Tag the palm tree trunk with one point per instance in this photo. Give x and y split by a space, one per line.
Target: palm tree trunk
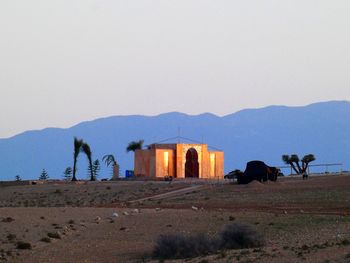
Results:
74 169
92 178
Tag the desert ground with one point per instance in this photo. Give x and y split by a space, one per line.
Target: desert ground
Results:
120 221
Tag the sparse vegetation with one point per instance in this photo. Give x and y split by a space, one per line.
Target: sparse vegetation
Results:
8 219
11 237
23 245
179 246
238 236
234 236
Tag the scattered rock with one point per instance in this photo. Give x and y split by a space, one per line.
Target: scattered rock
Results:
125 213
55 235
136 211
98 219
194 208
158 209
115 214
46 240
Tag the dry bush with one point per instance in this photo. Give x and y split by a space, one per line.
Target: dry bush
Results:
179 246
23 245
238 236
233 236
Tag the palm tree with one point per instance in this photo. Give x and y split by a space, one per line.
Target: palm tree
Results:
77 148
86 149
135 145
110 160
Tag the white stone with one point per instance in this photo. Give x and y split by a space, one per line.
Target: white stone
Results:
115 214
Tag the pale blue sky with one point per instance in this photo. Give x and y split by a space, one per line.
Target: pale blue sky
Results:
66 61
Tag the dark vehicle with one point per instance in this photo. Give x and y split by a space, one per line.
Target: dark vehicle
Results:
233 174
258 170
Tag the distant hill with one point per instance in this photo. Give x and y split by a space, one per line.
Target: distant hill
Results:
253 134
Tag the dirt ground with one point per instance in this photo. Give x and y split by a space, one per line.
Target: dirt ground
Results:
301 220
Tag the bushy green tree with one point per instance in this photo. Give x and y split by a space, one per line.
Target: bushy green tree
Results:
96 167
44 175
67 174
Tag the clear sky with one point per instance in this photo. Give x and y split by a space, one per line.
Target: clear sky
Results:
66 61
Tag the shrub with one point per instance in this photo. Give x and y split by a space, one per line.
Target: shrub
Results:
234 236
179 246
23 245
11 237
8 220
238 236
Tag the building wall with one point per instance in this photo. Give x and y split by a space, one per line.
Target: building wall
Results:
152 163
220 164
181 157
205 164
143 162
165 167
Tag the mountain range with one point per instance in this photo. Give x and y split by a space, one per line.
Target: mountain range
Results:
322 129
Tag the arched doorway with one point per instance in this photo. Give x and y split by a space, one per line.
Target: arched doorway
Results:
192 165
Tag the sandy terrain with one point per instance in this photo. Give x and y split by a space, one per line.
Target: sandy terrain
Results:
302 221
